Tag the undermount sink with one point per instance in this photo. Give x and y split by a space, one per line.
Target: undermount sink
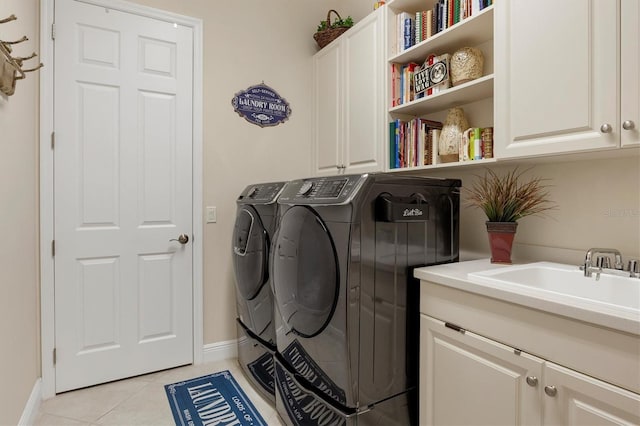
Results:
566 284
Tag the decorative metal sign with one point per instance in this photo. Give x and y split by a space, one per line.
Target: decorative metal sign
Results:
261 105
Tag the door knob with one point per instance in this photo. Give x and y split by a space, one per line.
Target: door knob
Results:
532 381
182 239
628 125
551 390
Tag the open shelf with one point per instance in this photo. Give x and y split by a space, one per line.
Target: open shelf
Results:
475 90
469 32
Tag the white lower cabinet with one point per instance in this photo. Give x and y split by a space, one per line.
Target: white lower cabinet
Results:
576 399
468 379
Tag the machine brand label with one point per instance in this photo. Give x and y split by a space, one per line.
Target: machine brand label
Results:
262 370
303 408
302 363
412 212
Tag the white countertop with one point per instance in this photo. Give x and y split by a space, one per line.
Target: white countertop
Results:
455 275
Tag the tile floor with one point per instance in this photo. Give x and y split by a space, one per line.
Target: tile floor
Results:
138 401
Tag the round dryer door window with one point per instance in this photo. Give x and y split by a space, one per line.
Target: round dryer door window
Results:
304 272
250 256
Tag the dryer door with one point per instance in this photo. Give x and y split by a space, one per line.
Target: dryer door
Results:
250 252
304 272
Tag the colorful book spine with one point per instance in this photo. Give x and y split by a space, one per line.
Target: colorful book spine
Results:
395 85
397 144
477 152
392 145
487 142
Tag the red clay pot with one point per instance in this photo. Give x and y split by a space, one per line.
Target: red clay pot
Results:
501 236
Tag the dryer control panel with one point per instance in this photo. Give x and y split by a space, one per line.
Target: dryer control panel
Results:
324 190
261 193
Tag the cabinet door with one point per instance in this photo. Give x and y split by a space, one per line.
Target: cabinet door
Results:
630 73
466 379
327 121
364 103
582 400
556 77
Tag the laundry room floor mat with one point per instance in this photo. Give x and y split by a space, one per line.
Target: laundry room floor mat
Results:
215 399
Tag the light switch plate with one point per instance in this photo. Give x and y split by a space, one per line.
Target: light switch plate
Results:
212 215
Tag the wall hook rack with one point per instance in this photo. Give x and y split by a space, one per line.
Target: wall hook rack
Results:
11 68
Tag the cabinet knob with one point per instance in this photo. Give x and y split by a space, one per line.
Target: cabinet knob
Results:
550 390
606 128
628 125
532 381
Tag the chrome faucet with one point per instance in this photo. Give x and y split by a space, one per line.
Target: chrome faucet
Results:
588 262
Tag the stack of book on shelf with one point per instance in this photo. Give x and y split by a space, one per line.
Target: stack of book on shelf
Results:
412 28
476 144
413 143
413 81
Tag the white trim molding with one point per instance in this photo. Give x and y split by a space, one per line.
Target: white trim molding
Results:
219 351
47 317
32 407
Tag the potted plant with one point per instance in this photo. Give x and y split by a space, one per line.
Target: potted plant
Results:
505 199
328 31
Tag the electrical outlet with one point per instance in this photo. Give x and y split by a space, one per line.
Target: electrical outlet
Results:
212 215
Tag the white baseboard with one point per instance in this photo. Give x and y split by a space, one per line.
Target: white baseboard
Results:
219 351
33 405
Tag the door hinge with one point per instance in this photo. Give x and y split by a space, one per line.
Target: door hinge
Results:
53 31
55 356
53 140
53 247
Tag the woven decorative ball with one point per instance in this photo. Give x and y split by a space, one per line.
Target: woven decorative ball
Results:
465 65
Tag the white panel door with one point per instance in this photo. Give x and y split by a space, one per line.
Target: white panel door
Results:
123 190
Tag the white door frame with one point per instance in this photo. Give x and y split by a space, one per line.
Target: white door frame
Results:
47 323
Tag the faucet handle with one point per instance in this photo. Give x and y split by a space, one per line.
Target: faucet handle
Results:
603 262
634 268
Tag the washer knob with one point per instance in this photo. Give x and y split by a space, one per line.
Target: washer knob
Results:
306 188
252 192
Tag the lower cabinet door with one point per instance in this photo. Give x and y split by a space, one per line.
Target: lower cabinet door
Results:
572 398
466 379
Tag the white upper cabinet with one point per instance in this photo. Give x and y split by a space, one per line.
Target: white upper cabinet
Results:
349 100
630 73
327 113
558 69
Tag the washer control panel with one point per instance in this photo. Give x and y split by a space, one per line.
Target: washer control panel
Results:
261 193
325 190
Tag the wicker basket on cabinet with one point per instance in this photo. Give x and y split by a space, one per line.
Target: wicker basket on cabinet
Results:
326 36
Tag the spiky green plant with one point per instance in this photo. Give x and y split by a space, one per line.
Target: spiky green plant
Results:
509 197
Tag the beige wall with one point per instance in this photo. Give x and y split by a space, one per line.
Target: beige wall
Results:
598 205
19 362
